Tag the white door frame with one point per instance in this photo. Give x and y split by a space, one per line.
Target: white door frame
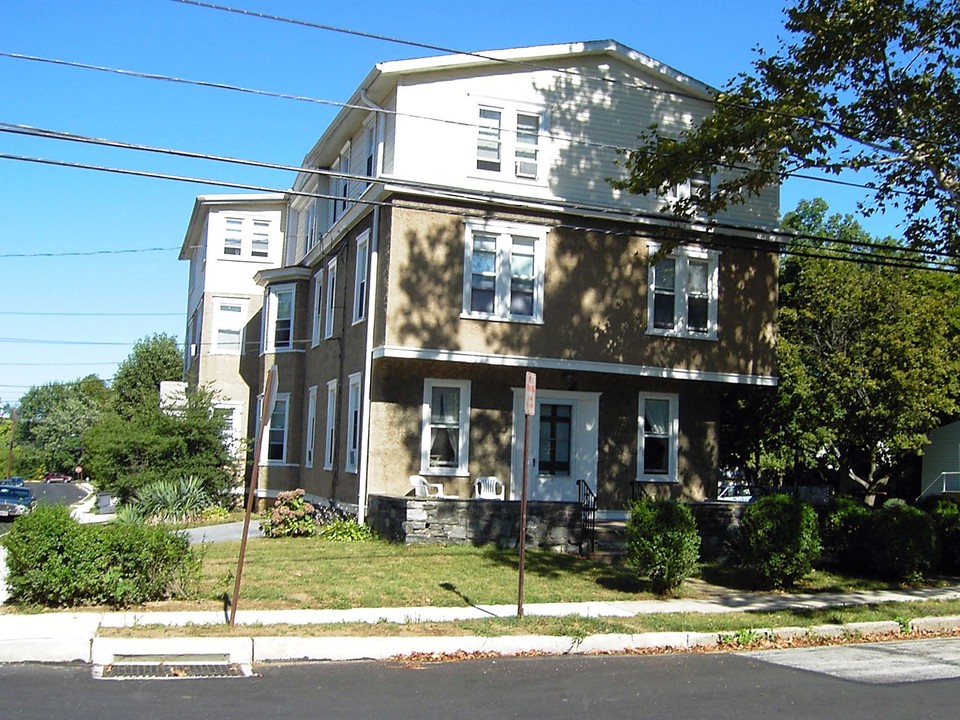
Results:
584 443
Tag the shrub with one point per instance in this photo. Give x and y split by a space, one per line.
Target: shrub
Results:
900 543
840 529
662 542
780 539
291 516
946 517
49 561
345 529
171 500
55 561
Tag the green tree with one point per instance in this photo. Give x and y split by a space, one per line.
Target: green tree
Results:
868 357
124 453
137 381
863 85
52 420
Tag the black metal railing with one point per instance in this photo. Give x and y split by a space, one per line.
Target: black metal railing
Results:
588 514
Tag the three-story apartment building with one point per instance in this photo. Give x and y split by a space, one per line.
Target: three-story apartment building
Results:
453 229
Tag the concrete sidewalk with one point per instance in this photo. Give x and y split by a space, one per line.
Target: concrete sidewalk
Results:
70 637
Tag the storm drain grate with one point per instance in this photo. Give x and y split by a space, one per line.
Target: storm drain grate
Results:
171 671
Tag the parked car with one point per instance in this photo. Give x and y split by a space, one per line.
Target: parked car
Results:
15 501
57 477
737 492
15 481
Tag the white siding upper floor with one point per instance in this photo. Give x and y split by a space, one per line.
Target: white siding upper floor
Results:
539 124
546 134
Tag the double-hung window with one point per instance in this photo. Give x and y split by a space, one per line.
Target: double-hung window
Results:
330 428
330 305
360 277
353 423
276 435
340 185
260 242
370 161
233 236
311 425
311 226
503 271
279 315
318 309
231 317
510 142
445 434
683 293
658 438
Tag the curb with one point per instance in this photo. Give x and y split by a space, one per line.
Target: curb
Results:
248 650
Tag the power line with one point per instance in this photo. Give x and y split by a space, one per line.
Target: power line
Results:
70 364
85 253
507 61
607 213
384 111
92 314
71 137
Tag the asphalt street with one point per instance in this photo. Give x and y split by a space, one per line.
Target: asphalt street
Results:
685 686
59 493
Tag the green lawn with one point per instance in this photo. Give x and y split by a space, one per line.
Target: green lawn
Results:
313 573
318 574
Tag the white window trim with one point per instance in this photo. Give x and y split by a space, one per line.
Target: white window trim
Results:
683 255
362 269
311 426
508 140
270 318
265 449
674 439
317 308
330 427
354 428
330 305
463 452
504 233
219 325
372 154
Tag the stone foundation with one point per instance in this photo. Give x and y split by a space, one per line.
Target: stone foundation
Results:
716 521
555 525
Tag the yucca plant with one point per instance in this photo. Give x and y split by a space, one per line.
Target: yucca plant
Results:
171 500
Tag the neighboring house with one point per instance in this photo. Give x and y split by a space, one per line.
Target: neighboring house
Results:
941 462
229 239
453 229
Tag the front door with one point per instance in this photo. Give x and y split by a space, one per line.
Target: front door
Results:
562 446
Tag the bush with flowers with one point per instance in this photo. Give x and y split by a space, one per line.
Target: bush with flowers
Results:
291 516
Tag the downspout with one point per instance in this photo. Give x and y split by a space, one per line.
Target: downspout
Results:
367 368
371 303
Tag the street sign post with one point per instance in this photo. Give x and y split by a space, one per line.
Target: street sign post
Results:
529 410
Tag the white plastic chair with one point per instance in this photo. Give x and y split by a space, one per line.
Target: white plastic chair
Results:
488 487
422 488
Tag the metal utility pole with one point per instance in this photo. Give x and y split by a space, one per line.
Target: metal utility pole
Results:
266 411
529 410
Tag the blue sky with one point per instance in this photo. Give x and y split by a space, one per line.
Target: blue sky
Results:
66 316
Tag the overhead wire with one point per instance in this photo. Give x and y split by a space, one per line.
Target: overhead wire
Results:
624 215
71 137
616 149
527 64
